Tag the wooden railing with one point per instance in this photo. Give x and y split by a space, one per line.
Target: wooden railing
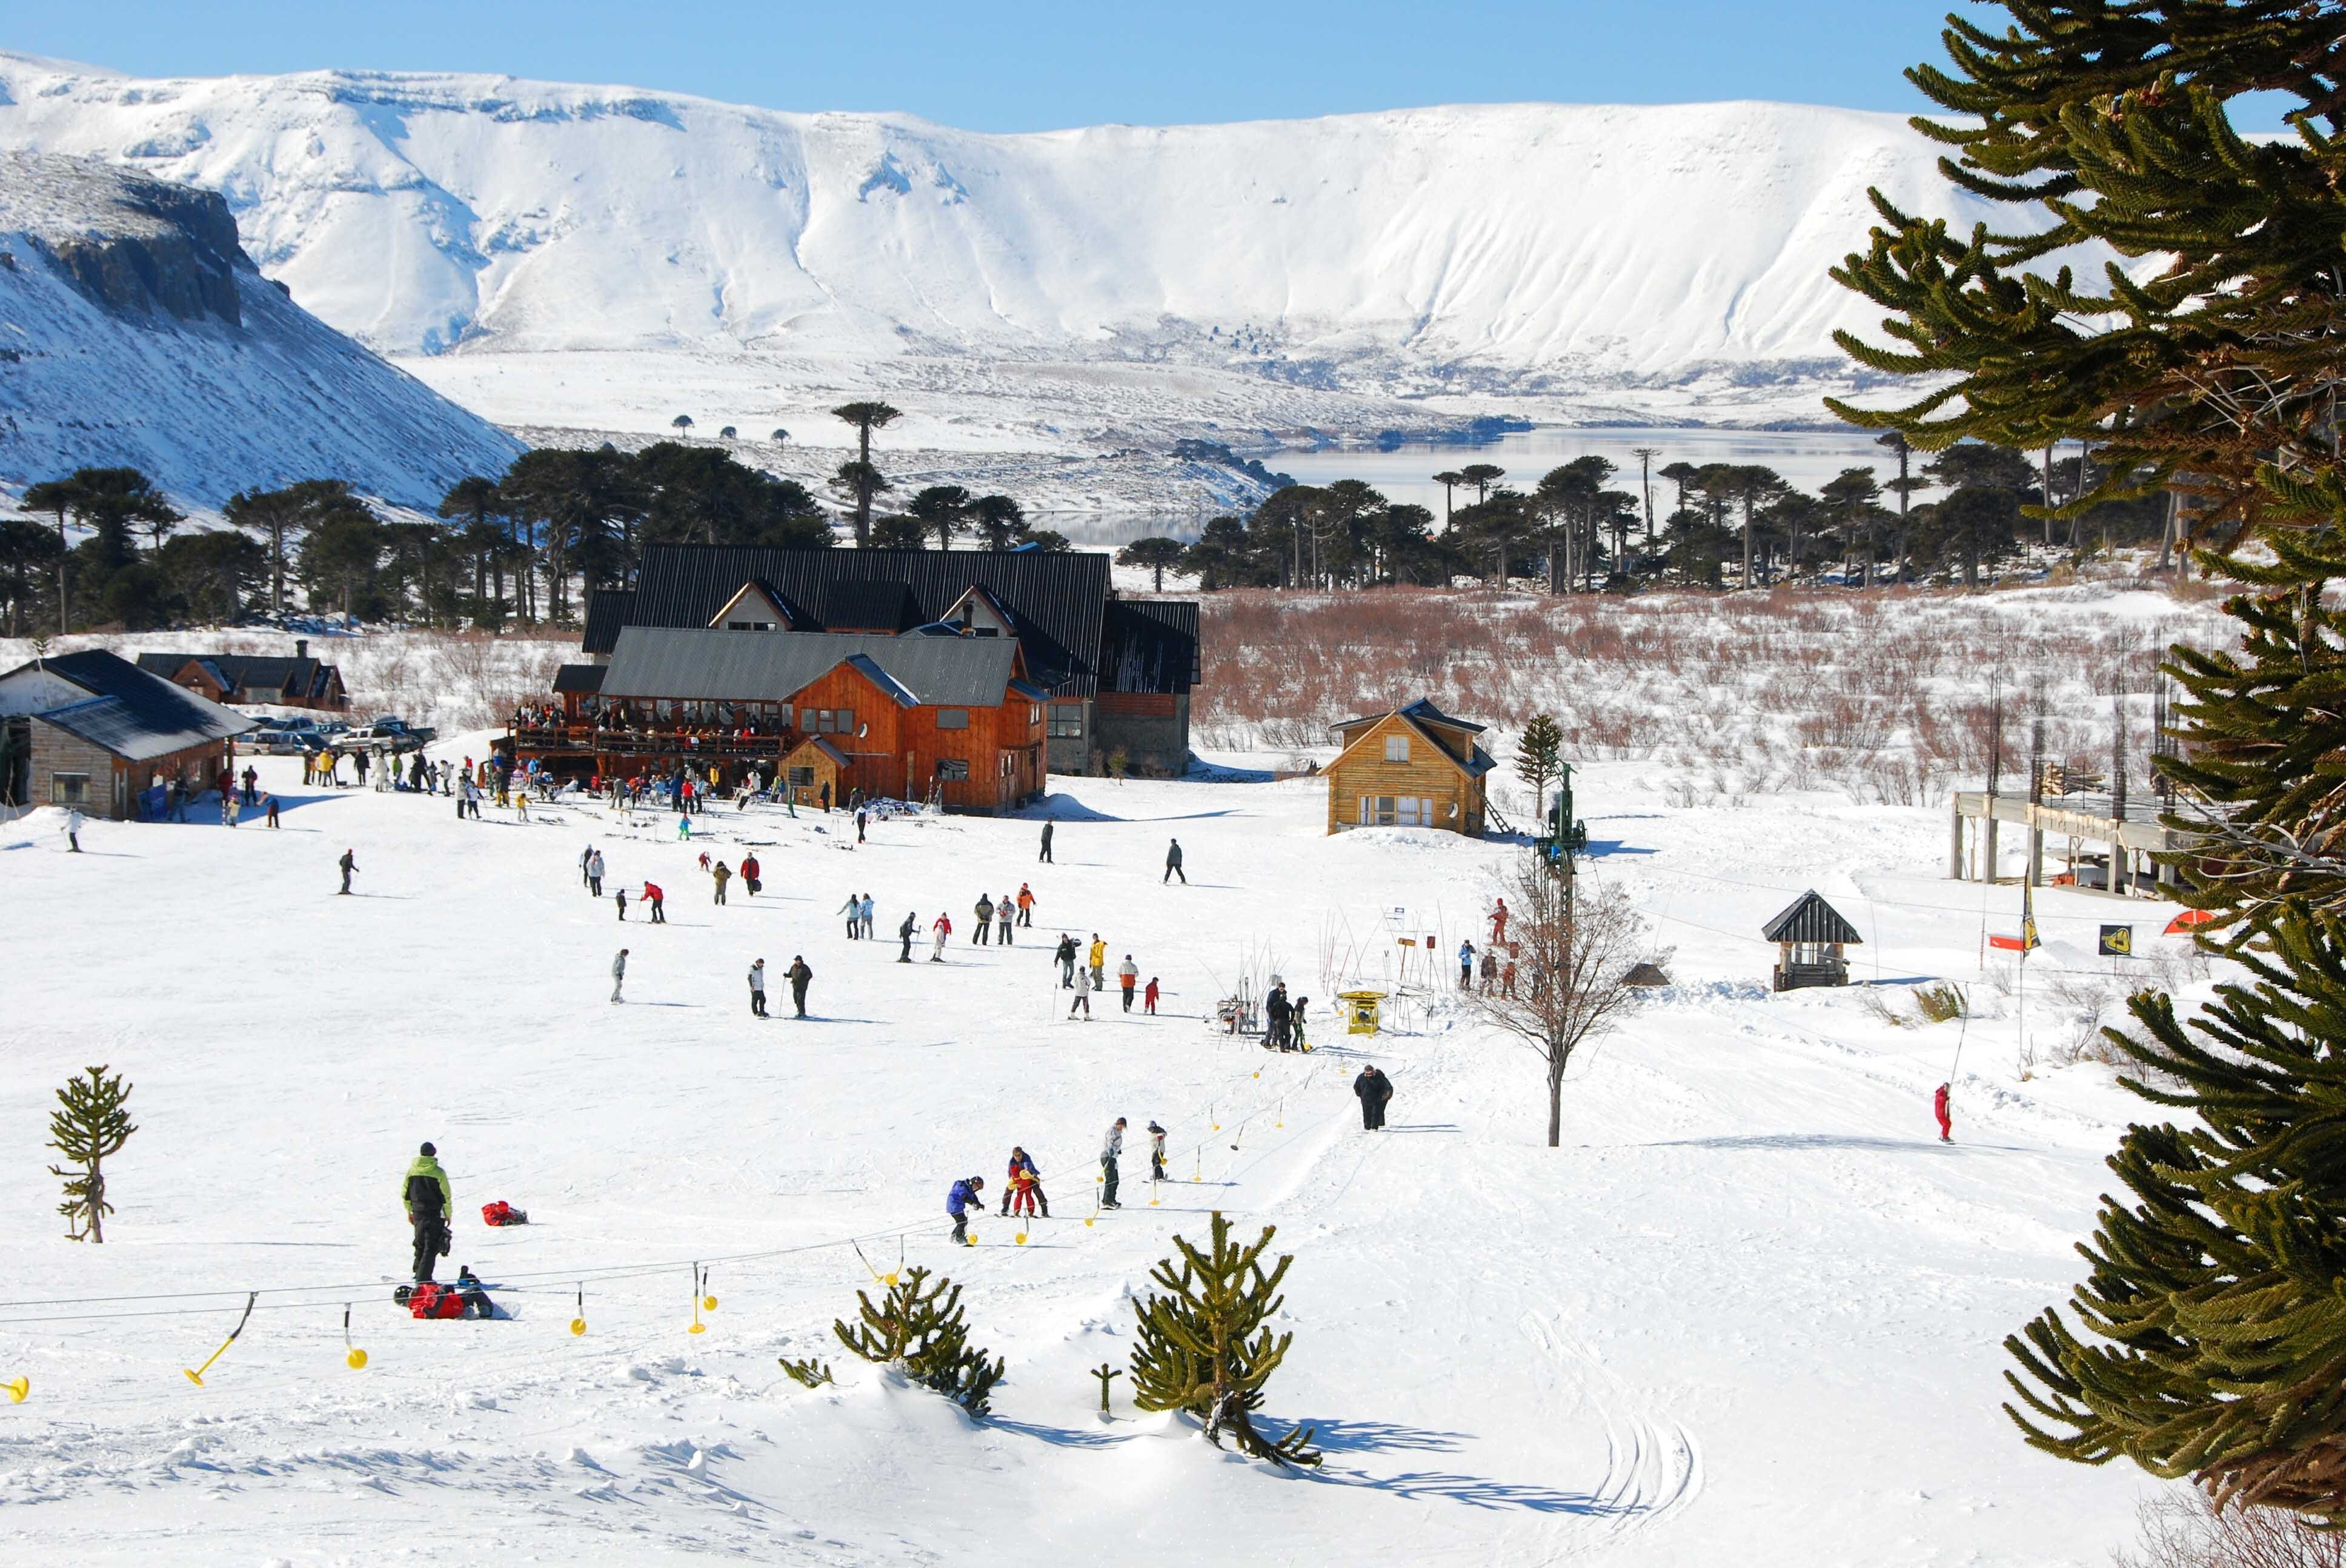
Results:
602 742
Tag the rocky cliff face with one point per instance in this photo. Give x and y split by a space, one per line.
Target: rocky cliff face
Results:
136 245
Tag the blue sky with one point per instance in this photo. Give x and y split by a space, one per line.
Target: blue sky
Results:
1026 66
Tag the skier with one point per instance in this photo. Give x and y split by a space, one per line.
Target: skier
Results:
620 971
1490 970
1173 864
1465 965
799 974
854 910
941 931
621 894
424 1192
659 901
1024 1187
1940 1108
984 931
758 989
1098 957
1026 905
1156 1152
73 829
1110 1152
723 873
1374 1089
1005 913
1499 923
1045 857
1084 1001
749 870
1149 998
959 1199
863 914
1127 976
911 923
595 872
350 864
1066 959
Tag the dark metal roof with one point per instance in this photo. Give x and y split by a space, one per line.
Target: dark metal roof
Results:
249 677
1150 644
132 712
1056 599
609 609
1422 710
695 664
579 677
868 604
1810 918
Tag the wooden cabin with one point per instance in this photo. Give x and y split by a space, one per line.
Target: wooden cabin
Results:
1412 767
1810 936
300 681
94 731
815 766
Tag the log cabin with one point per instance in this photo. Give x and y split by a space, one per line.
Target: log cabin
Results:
1414 767
94 731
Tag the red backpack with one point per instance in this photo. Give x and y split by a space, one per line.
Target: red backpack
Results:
502 1213
431 1300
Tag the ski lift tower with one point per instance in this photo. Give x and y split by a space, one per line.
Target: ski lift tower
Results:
1566 837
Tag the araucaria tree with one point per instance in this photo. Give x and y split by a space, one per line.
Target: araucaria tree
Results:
1572 951
859 478
1203 1347
917 1328
1539 756
90 1128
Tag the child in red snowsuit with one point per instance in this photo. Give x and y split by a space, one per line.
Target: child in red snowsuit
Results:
1939 1108
1149 998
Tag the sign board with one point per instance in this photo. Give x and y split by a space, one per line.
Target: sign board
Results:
2117 941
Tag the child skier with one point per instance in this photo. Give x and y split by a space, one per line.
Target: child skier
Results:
959 1199
1149 998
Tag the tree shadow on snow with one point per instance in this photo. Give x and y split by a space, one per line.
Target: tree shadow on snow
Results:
1479 1491
1604 849
1061 809
1379 1437
1061 1437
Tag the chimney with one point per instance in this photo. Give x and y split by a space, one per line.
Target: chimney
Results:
301 648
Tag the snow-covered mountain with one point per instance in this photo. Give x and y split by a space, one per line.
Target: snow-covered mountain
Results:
135 331
1581 250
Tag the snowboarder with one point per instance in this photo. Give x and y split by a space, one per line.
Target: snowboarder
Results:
723 873
1156 1152
963 1195
941 931
1149 998
73 829
1098 957
1066 958
659 901
749 870
595 872
1110 1152
1173 864
619 969
1465 965
1045 857
349 864
985 932
1026 905
1945 1111
1499 922
758 989
1128 977
799 974
424 1192
911 923
1374 1089
853 910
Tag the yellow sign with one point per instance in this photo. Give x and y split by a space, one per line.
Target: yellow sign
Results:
1360 1011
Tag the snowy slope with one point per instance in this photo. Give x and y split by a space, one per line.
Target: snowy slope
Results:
1527 247
137 334
1750 1313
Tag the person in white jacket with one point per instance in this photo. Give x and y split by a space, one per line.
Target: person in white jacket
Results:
72 828
619 974
854 910
1111 1151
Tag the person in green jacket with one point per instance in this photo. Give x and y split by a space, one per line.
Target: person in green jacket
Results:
425 1193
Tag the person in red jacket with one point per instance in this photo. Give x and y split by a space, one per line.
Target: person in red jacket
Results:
653 897
1499 923
1148 997
1939 1108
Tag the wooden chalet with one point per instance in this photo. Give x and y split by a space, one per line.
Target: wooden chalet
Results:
935 715
1412 767
95 731
300 681
1117 672
1810 936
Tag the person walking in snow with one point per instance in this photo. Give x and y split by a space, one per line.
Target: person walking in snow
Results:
852 909
1099 956
723 874
349 864
984 933
1026 905
1066 958
1045 857
1156 1152
251 786
620 895
864 914
941 931
758 989
1490 970
1128 977
1149 998
73 829
1005 913
618 975
800 976
1111 1151
863 817
1465 965
750 872
595 872
1375 1090
586 867
659 901
960 1198
911 923
424 1192
1084 1001
1942 1107
1173 864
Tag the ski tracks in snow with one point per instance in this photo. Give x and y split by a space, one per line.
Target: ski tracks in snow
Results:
1653 1466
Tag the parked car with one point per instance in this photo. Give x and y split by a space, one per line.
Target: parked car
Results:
276 742
385 735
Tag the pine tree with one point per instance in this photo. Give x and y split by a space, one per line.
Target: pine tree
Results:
859 477
2107 121
917 1328
1539 756
91 1128
1203 1347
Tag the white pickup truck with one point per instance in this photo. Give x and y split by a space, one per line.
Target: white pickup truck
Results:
385 735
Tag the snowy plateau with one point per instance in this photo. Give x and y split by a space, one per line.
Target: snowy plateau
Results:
1053 311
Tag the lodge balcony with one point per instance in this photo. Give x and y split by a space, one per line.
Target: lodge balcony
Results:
555 740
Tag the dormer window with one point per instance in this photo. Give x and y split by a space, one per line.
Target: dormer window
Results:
751 610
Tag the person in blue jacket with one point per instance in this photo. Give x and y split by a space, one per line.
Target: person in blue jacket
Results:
964 1197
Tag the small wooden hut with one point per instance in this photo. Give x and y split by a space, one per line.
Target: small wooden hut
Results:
1810 936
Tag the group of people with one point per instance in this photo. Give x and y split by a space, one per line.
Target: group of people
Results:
1127 976
1498 958
998 921
1284 1019
1022 1187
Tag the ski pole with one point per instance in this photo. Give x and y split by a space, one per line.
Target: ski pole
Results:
197 1376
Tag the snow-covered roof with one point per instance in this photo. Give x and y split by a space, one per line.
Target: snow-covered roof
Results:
695 664
133 713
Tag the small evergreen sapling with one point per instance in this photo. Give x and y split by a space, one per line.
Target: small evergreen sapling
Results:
918 1327
92 1127
1203 1347
811 1373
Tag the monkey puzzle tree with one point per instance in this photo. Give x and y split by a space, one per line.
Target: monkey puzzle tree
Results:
90 1128
866 417
1203 1347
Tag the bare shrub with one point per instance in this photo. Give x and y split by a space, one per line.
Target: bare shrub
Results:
2180 1529
1941 1003
1877 1005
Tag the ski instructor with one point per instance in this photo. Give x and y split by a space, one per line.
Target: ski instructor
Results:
425 1193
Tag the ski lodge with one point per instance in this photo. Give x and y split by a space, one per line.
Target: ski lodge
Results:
94 731
1412 767
300 681
1115 675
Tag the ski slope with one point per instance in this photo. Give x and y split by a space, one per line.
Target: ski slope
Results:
1749 1313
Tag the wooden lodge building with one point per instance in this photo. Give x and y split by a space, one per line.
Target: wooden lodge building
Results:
300 681
95 731
1117 673
1412 767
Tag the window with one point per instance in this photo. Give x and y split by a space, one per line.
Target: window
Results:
952 718
1416 811
1067 719
1034 714
832 720
1396 748
70 789
1378 810
803 776
1007 766
749 626
952 767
